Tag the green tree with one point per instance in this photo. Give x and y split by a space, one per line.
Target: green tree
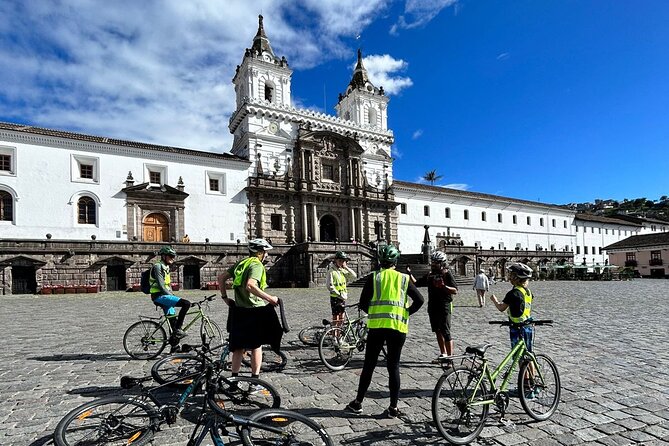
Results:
432 176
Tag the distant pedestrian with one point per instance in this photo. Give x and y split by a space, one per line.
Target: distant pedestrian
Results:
481 285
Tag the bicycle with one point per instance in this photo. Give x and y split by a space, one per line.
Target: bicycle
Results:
464 393
147 338
311 336
135 419
339 342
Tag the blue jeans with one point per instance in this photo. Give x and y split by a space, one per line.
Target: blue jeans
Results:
527 333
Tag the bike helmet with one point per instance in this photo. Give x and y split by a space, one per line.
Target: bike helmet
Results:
520 270
438 257
389 254
167 251
341 255
259 244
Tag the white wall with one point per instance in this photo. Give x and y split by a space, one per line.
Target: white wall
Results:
597 235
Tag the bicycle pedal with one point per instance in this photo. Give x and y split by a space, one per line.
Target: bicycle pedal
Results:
170 413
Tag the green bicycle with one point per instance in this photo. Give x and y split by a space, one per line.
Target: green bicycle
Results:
464 393
147 338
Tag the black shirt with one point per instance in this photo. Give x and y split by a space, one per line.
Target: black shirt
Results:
436 284
516 302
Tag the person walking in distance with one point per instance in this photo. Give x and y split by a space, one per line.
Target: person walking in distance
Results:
337 277
481 285
161 295
385 298
252 321
441 288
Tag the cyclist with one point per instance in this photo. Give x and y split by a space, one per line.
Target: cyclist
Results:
441 288
338 275
385 299
161 295
518 303
251 321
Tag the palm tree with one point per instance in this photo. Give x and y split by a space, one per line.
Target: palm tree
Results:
432 176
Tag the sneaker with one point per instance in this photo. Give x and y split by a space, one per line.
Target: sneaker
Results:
440 359
256 388
393 412
354 407
179 333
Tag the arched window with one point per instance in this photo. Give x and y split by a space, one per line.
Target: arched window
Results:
269 91
371 113
87 211
6 206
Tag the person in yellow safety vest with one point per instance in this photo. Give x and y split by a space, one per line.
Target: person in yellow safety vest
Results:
385 298
518 303
337 277
252 320
161 295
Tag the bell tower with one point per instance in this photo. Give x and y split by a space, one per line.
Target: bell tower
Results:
363 103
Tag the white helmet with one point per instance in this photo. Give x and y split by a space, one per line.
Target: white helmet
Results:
438 257
520 270
259 244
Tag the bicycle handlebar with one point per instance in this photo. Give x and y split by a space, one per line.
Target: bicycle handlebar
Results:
522 324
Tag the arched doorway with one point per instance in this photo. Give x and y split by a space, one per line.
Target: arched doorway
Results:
156 228
328 228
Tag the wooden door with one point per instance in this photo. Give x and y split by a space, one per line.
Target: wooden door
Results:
156 228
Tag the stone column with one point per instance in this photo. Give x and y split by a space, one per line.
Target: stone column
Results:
291 224
305 227
315 224
352 223
259 218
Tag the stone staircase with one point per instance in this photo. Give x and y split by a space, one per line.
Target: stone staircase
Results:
418 269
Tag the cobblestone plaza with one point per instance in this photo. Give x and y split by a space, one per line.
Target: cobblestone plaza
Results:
609 342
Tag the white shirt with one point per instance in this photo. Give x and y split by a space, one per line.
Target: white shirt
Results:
481 282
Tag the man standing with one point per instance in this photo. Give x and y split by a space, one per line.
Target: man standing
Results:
252 322
338 275
385 299
481 285
161 294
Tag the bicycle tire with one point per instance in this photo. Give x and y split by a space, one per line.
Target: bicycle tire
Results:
95 423
311 336
144 340
457 421
272 361
175 366
243 394
539 395
334 351
295 428
210 332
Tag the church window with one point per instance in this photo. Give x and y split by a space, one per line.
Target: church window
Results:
499 218
447 212
541 222
466 214
84 169
578 250
5 162
403 208
564 223
213 184
269 92
347 115
553 223
6 206
426 211
585 249
529 221
328 172
87 211
483 216
371 115
276 221
154 177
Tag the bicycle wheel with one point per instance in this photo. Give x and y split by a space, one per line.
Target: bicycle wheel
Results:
115 420
311 336
335 348
279 426
210 332
242 394
144 340
272 361
175 366
457 420
539 387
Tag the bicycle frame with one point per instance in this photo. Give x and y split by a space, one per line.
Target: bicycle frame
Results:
514 356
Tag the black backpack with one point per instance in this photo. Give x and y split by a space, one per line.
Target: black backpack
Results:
145 281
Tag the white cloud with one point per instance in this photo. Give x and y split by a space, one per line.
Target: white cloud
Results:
418 13
395 152
503 56
417 134
156 71
382 70
458 186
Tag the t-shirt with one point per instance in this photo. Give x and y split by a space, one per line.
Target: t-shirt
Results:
243 298
436 286
516 302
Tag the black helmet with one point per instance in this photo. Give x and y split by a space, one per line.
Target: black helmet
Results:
520 270
389 254
167 251
341 255
259 244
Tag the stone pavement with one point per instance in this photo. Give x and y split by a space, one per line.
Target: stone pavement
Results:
609 343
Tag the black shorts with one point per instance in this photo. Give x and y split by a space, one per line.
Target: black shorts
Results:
253 327
337 304
440 317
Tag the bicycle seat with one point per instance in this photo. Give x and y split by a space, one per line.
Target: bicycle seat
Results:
478 350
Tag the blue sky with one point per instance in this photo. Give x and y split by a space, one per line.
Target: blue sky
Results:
555 101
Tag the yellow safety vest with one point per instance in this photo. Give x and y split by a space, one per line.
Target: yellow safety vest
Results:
527 296
240 273
338 281
389 307
166 275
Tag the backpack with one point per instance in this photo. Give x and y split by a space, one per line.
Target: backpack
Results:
145 281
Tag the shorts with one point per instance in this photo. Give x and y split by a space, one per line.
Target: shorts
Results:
440 317
253 327
527 334
167 303
337 305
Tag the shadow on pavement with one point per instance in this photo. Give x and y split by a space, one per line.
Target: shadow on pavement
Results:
84 357
42 441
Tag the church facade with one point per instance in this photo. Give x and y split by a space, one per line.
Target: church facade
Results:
90 210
